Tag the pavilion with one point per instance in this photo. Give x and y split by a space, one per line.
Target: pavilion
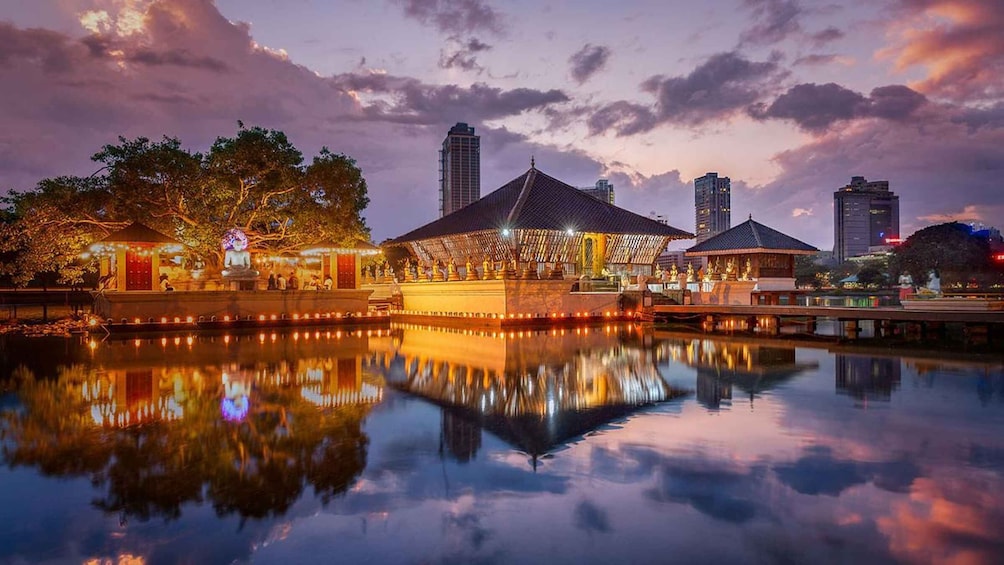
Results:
132 257
746 259
519 249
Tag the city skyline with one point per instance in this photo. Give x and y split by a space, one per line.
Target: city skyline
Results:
806 96
865 217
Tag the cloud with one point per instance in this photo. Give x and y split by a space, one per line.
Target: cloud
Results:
588 61
830 34
414 102
799 212
777 20
823 59
815 107
969 213
715 89
454 17
957 41
464 57
984 117
774 21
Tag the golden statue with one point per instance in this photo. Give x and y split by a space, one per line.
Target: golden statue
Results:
690 272
472 273
673 273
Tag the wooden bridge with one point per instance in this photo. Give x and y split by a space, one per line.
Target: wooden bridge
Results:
770 319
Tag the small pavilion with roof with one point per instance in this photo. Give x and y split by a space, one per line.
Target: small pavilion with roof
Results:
130 258
746 259
520 248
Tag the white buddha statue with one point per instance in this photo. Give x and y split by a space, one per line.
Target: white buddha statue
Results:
237 258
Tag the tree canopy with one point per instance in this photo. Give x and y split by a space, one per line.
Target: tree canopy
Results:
951 249
256 181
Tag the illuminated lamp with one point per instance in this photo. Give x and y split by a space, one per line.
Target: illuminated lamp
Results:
189 319
163 320
226 318
137 321
261 318
177 320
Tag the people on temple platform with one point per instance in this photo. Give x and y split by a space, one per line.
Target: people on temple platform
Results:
271 281
293 283
328 282
165 284
280 282
313 284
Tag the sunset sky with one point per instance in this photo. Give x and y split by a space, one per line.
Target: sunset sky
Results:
789 98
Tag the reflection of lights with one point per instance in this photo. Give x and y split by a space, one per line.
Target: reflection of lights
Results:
235 409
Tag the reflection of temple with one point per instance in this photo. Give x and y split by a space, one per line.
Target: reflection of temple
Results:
867 378
535 390
139 381
752 367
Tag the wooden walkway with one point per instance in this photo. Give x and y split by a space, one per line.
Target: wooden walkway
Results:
690 313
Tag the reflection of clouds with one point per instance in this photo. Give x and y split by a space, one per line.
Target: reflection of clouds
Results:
819 472
714 488
591 518
948 520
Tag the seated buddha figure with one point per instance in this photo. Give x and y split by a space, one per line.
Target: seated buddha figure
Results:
237 258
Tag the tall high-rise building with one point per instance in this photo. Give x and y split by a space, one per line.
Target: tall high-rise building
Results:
602 191
865 214
712 205
459 169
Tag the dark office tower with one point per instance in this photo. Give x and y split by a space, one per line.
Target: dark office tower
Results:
459 169
712 205
865 214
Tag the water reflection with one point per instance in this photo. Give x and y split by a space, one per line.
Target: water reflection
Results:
867 378
751 367
535 392
234 422
413 446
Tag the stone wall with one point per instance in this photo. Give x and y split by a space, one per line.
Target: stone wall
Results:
155 304
533 297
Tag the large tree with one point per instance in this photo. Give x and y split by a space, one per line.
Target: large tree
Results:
950 249
256 181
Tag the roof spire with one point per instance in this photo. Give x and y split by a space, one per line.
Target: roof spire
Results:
751 215
532 164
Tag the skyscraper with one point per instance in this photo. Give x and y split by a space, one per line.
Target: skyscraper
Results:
865 214
712 205
459 169
602 191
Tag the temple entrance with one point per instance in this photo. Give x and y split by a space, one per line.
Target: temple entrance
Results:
139 270
346 268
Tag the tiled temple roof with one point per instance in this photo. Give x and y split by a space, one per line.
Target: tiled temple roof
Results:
751 236
138 233
535 200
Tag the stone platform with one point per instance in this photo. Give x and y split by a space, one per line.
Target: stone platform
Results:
155 305
519 298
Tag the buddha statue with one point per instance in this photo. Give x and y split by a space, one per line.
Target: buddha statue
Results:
690 272
236 257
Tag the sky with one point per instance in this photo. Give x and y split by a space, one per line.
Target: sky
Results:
789 98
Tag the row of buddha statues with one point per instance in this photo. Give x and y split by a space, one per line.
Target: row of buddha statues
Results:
437 271
714 272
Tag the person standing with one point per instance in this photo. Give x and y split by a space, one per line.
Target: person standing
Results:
293 283
280 282
271 281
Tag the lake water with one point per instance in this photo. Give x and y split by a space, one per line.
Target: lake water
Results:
419 445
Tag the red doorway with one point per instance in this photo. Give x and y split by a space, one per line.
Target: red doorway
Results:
346 265
139 271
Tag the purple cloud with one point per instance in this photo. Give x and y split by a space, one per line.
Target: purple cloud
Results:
815 107
454 17
588 61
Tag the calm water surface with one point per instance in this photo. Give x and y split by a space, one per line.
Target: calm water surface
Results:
418 445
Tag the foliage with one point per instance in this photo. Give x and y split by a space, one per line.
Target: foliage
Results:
951 249
872 276
254 468
809 273
256 181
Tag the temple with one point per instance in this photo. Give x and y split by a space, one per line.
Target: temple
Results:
746 262
145 281
534 246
